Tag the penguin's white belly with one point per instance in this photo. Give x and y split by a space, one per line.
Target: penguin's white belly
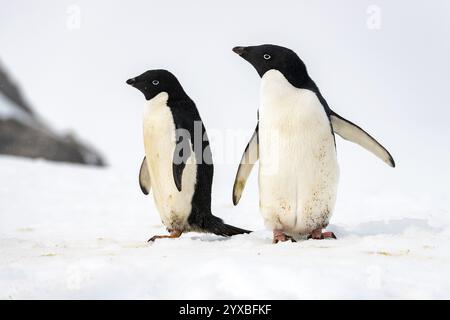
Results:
174 206
298 173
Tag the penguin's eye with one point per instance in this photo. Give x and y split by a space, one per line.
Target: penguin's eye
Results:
267 56
155 82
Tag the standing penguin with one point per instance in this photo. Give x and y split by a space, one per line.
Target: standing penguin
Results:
295 144
178 161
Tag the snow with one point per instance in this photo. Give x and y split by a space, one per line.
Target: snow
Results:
68 231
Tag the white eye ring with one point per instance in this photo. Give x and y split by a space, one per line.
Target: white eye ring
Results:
155 82
267 56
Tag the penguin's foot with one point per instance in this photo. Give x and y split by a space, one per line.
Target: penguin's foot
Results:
319 235
279 236
173 235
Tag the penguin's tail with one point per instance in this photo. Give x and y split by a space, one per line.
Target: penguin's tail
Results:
215 225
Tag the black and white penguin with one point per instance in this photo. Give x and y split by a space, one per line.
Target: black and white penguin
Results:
295 144
178 162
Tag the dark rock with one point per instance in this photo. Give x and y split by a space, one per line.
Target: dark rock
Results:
11 91
24 134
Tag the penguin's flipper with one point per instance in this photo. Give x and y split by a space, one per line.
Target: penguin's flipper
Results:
249 158
144 177
181 155
351 132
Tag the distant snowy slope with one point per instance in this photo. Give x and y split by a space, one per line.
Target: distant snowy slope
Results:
72 232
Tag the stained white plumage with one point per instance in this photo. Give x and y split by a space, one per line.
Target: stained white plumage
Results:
298 173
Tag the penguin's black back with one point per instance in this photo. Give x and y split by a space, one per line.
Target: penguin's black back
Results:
186 115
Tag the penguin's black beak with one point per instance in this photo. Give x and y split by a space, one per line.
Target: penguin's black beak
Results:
131 81
239 50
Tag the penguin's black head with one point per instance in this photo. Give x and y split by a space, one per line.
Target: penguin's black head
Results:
153 82
271 57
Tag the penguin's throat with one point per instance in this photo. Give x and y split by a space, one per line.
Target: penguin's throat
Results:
275 88
158 101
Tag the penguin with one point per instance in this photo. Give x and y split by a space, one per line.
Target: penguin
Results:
178 165
295 144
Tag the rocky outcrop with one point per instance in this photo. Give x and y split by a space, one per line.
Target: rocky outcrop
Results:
23 133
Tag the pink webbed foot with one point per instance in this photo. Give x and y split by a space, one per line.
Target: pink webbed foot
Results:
279 236
173 235
319 235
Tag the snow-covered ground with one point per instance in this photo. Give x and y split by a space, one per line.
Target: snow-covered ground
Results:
73 232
